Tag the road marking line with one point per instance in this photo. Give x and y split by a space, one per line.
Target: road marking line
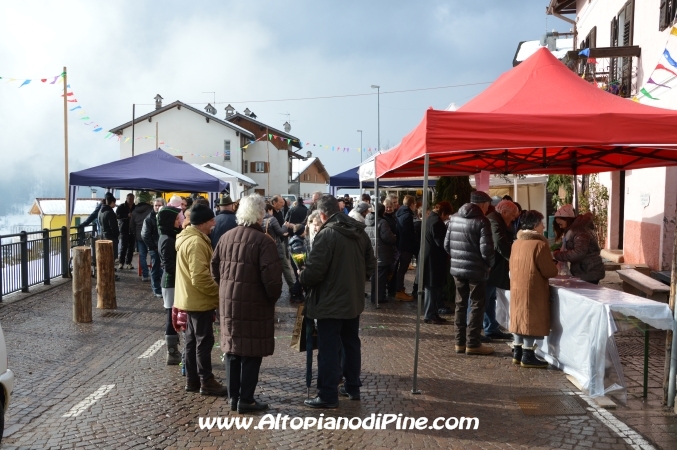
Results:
152 349
630 436
89 401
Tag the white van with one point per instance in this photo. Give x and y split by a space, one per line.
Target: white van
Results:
6 382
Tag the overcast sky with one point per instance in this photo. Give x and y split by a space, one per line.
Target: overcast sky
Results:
124 52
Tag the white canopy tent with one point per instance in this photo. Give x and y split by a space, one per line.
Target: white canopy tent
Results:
238 182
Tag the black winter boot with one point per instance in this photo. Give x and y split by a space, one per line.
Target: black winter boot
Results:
516 353
530 360
173 354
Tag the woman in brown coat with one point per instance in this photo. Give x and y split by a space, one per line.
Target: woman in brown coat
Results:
530 267
248 270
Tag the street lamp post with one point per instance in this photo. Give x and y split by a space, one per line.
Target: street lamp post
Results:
378 103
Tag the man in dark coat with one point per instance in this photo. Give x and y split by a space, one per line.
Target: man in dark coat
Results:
297 215
389 217
151 236
123 214
435 262
248 270
385 257
499 277
406 244
471 246
139 214
225 219
341 261
109 223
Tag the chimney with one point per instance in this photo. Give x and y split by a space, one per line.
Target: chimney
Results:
210 109
287 127
230 111
158 101
93 193
247 112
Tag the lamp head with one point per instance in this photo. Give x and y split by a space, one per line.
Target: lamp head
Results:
373 86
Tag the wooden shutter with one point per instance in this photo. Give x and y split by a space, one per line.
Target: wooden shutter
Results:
662 15
592 38
628 27
265 167
613 41
252 167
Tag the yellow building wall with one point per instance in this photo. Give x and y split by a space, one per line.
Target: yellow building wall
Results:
57 221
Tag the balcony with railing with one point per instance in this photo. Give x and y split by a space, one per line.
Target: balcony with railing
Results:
613 69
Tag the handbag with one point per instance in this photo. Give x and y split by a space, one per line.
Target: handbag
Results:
298 337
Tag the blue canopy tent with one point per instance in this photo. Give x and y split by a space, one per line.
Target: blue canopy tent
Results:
154 171
350 179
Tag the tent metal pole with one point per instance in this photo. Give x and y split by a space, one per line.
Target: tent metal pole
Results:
376 236
421 283
671 341
133 120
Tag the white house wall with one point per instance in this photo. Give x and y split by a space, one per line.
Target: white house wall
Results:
648 228
307 189
276 181
188 132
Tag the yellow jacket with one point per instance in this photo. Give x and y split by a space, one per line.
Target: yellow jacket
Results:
195 289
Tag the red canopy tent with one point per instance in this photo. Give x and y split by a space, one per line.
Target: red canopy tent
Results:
539 117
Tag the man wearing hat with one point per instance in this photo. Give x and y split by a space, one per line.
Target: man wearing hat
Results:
225 219
470 243
359 213
197 293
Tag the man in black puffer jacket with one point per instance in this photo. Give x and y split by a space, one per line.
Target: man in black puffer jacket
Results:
109 223
142 210
470 243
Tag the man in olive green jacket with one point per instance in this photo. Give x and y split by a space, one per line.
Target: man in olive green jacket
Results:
197 293
341 261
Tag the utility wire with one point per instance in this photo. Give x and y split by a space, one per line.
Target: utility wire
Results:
337 96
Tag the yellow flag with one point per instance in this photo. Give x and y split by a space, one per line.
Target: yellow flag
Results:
673 31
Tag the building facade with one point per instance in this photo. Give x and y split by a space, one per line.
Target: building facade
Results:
641 202
308 176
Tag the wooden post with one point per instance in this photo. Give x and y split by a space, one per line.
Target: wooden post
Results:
668 336
105 275
82 284
65 151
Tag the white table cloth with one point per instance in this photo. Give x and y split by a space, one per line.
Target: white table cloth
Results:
582 326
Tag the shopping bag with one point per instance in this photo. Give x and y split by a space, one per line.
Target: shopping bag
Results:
298 337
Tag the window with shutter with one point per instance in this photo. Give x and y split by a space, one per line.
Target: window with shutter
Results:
667 14
245 166
226 150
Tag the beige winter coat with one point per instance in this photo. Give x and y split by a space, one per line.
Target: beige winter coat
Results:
530 267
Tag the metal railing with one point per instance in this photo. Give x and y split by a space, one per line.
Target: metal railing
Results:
31 258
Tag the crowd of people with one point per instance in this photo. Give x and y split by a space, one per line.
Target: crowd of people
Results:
228 266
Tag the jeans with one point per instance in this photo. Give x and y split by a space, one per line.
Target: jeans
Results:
199 343
242 376
382 282
490 324
155 272
433 301
471 293
405 260
331 334
126 248
143 257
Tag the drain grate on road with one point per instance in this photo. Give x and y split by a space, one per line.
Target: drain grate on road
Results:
551 405
115 314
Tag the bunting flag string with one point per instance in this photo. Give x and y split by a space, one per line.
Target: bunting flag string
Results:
664 74
26 81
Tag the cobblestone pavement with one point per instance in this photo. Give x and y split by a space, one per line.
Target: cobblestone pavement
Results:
141 402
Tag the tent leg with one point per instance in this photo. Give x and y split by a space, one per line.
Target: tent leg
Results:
419 267
376 241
